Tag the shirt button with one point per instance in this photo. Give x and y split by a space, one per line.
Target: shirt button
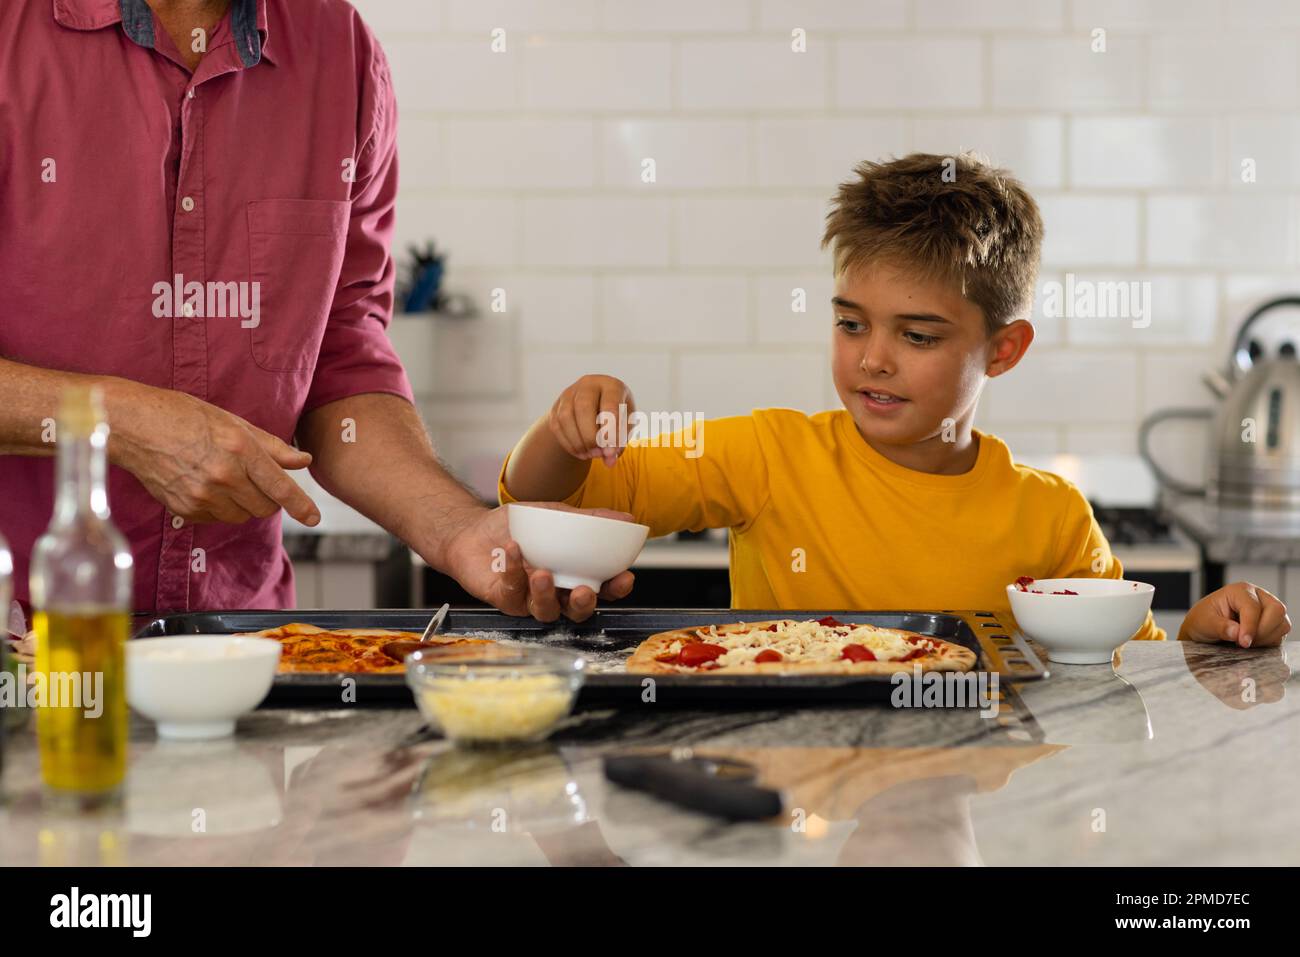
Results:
190 94
188 310
187 204
177 521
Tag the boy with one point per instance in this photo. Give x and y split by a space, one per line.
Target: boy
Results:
895 500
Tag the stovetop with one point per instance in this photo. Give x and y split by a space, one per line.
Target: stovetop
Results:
1132 525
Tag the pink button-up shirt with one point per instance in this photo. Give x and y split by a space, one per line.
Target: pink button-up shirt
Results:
274 164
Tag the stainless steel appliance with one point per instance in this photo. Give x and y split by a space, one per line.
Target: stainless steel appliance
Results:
1246 518
1255 439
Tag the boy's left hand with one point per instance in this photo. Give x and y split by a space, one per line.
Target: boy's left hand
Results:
1242 613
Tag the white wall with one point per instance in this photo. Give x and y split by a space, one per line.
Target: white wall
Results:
527 163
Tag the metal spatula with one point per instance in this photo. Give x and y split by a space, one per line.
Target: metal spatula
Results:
436 622
399 649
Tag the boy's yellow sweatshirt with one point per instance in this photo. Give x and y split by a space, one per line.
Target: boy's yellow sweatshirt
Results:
819 519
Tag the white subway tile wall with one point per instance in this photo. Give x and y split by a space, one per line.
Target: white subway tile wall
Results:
921 73
1032 146
586 230
668 310
1195 71
605 75
754 75
817 153
941 15
687 154
541 154
639 188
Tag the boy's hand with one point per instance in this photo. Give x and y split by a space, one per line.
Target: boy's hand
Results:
1241 613
575 419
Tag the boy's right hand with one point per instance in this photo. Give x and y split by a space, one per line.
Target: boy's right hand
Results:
577 422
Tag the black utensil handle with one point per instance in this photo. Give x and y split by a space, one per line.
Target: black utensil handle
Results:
683 783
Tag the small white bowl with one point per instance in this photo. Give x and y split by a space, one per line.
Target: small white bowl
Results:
1084 628
195 686
575 547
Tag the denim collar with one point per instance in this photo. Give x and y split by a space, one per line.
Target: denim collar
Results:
247 21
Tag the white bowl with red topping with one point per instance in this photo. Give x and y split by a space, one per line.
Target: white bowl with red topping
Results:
1080 621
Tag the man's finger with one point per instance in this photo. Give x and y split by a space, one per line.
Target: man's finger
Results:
600 512
231 513
284 454
276 484
222 510
512 596
615 515
580 605
251 499
543 603
620 586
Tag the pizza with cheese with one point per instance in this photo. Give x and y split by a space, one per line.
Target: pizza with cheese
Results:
789 647
308 649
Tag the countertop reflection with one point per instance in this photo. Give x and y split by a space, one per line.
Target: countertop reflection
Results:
1184 755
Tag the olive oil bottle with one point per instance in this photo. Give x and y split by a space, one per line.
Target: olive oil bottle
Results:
6 585
81 597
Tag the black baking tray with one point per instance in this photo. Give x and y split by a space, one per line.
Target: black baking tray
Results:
608 637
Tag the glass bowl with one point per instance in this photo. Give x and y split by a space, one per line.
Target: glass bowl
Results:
494 694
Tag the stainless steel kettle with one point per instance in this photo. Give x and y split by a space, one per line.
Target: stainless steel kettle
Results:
1255 440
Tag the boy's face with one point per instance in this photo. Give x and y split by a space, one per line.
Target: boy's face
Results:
920 341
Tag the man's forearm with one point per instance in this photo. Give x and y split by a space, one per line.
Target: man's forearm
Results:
29 402
540 470
372 452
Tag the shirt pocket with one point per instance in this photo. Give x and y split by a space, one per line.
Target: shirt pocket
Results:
295 253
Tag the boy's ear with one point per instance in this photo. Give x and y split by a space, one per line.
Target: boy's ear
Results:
1007 346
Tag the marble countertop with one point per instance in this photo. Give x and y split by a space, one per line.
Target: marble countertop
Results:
1188 754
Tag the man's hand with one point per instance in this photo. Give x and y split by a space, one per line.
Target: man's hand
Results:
415 498
503 579
203 463
1242 613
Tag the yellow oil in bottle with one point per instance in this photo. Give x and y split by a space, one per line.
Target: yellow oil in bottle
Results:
81 724
81 596
82 841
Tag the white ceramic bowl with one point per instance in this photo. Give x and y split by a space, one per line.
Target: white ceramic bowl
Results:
576 548
195 686
1084 628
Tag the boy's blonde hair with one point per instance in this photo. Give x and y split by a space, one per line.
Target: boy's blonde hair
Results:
952 218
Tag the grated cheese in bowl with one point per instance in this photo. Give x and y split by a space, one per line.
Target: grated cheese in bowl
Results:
494 694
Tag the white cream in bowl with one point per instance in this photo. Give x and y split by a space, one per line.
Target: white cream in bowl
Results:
195 686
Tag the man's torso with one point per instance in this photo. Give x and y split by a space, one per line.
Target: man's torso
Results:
119 171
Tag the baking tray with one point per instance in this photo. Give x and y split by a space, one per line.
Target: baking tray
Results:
608 637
